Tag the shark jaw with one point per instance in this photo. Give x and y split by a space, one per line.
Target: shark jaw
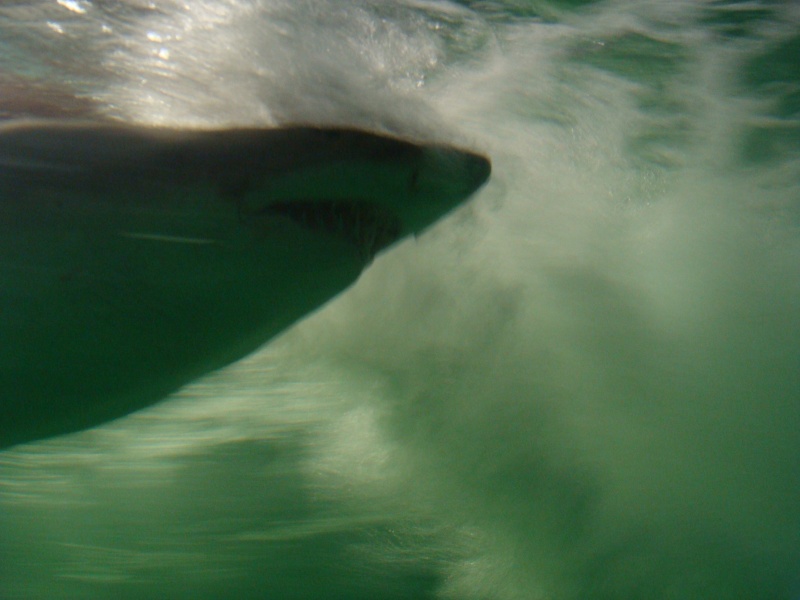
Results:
135 260
369 228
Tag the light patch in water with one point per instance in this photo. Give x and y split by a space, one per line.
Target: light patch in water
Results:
171 239
72 5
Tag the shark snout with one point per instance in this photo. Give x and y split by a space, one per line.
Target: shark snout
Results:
479 168
445 178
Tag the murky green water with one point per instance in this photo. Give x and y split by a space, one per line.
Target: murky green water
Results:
583 384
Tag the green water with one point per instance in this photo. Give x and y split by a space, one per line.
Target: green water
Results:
584 384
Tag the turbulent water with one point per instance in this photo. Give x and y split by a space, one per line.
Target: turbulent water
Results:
585 384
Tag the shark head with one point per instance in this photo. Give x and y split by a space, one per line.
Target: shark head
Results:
367 188
374 201
137 259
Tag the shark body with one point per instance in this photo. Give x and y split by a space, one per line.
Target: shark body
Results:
134 260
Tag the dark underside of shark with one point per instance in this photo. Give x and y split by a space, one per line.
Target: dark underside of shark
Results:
134 260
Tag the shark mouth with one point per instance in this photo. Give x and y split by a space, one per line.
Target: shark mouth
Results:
368 227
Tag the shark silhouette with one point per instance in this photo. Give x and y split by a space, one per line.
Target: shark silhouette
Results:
135 259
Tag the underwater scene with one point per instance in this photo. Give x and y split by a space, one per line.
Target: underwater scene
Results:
582 383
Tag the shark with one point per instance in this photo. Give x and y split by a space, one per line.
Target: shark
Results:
135 259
